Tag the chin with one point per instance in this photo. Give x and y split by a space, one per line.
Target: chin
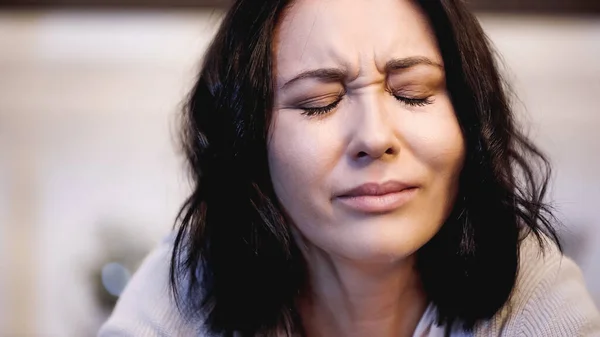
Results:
382 240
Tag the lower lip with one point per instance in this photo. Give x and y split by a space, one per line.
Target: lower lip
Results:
379 203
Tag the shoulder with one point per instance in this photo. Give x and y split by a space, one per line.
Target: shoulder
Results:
146 307
549 299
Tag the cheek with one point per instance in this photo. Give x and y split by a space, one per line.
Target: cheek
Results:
438 146
437 141
301 157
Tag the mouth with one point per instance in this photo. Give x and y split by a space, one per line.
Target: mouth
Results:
378 198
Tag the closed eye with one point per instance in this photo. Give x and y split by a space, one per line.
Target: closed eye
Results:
414 101
321 110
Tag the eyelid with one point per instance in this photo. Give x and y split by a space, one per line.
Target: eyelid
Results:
412 92
411 88
412 100
323 109
325 99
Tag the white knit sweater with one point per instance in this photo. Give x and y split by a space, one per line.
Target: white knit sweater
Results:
550 300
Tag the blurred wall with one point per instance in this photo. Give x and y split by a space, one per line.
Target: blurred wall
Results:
554 66
87 120
87 108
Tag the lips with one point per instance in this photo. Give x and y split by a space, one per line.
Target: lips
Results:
378 198
374 189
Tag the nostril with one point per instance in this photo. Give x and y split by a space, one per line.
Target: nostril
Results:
389 151
362 154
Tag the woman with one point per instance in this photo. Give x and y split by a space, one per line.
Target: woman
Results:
355 167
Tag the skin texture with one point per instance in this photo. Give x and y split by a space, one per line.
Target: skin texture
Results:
390 125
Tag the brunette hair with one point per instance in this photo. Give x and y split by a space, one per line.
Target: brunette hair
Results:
234 264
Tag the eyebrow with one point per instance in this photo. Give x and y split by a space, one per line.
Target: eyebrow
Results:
324 74
405 63
338 75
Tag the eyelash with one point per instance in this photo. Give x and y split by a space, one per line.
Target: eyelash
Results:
413 101
322 110
406 100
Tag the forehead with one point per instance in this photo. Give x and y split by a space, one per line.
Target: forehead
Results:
351 33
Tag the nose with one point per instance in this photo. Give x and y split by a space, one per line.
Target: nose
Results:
373 132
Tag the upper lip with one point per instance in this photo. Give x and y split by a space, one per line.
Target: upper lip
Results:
374 189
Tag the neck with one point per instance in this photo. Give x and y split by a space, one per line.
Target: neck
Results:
346 298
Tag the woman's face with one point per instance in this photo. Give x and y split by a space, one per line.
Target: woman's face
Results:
365 148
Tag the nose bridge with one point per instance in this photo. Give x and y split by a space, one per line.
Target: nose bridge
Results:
374 130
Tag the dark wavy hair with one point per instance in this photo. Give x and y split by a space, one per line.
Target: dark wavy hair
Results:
234 265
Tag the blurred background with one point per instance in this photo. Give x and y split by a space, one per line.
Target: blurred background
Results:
90 175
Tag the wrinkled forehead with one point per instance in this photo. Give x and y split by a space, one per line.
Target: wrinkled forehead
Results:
351 33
